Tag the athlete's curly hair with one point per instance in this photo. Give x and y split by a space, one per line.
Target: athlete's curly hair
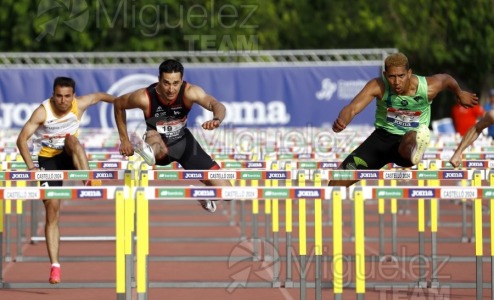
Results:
396 60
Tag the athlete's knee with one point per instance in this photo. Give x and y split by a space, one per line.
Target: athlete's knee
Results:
72 143
52 210
151 134
354 162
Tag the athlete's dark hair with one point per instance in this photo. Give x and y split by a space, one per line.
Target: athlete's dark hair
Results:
64 82
171 66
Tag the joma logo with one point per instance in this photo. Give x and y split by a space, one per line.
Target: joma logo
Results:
203 193
20 176
422 193
91 194
453 175
193 175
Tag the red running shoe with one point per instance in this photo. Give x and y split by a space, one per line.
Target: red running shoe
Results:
55 275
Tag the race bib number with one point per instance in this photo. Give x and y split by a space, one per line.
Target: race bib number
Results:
403 118
54 141
170 129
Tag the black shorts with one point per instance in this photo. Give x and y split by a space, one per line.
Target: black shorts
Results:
189 153
378 150
60 161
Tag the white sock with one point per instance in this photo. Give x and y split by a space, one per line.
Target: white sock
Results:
55 265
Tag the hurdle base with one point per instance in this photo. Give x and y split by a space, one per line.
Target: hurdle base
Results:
289 284
388 258
422 284
434 284
268 258
276 284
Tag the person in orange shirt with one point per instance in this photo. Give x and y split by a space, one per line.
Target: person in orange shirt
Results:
465 118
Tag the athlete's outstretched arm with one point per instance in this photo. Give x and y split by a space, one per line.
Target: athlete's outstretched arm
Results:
441 82
137 99
197 95
373 89
86 101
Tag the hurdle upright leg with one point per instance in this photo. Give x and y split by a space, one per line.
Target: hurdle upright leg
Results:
421 229
302 247
275 228
267 224
491 209
394 226
302 236
142 234
359 245
119 245
34 219
464 237
492 246
242 214
433 216
255 225
337 246
8 228
142 245
381 207
1 241
288 230
422 283
318 237
129 215
20 228
478 247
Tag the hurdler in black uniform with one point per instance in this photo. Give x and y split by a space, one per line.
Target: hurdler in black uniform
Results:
170 121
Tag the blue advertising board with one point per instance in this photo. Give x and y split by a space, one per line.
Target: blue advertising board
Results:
270 96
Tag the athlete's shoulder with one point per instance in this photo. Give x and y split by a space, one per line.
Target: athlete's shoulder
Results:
376 87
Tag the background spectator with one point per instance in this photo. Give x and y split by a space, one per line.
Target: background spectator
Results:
465 118
489 105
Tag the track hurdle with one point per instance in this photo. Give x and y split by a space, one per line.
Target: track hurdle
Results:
152 193
405 193
75 193
18 180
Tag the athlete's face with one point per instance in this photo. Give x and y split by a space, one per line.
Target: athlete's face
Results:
169 85
398 78
62 98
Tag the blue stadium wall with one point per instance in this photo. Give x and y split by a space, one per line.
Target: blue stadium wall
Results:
287 96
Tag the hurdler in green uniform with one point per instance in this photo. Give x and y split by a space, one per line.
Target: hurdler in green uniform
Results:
403 115
399 114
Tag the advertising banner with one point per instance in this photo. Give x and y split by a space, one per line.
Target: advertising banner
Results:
274 96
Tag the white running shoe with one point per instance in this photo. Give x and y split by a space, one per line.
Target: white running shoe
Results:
143 149
422 139
208 205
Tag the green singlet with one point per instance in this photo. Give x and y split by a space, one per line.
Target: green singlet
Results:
399 114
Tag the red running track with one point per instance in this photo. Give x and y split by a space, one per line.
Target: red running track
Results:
182 228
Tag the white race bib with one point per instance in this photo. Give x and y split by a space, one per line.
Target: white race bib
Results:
403 118
170 129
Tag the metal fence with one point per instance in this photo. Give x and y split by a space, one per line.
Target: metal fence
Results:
88 59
